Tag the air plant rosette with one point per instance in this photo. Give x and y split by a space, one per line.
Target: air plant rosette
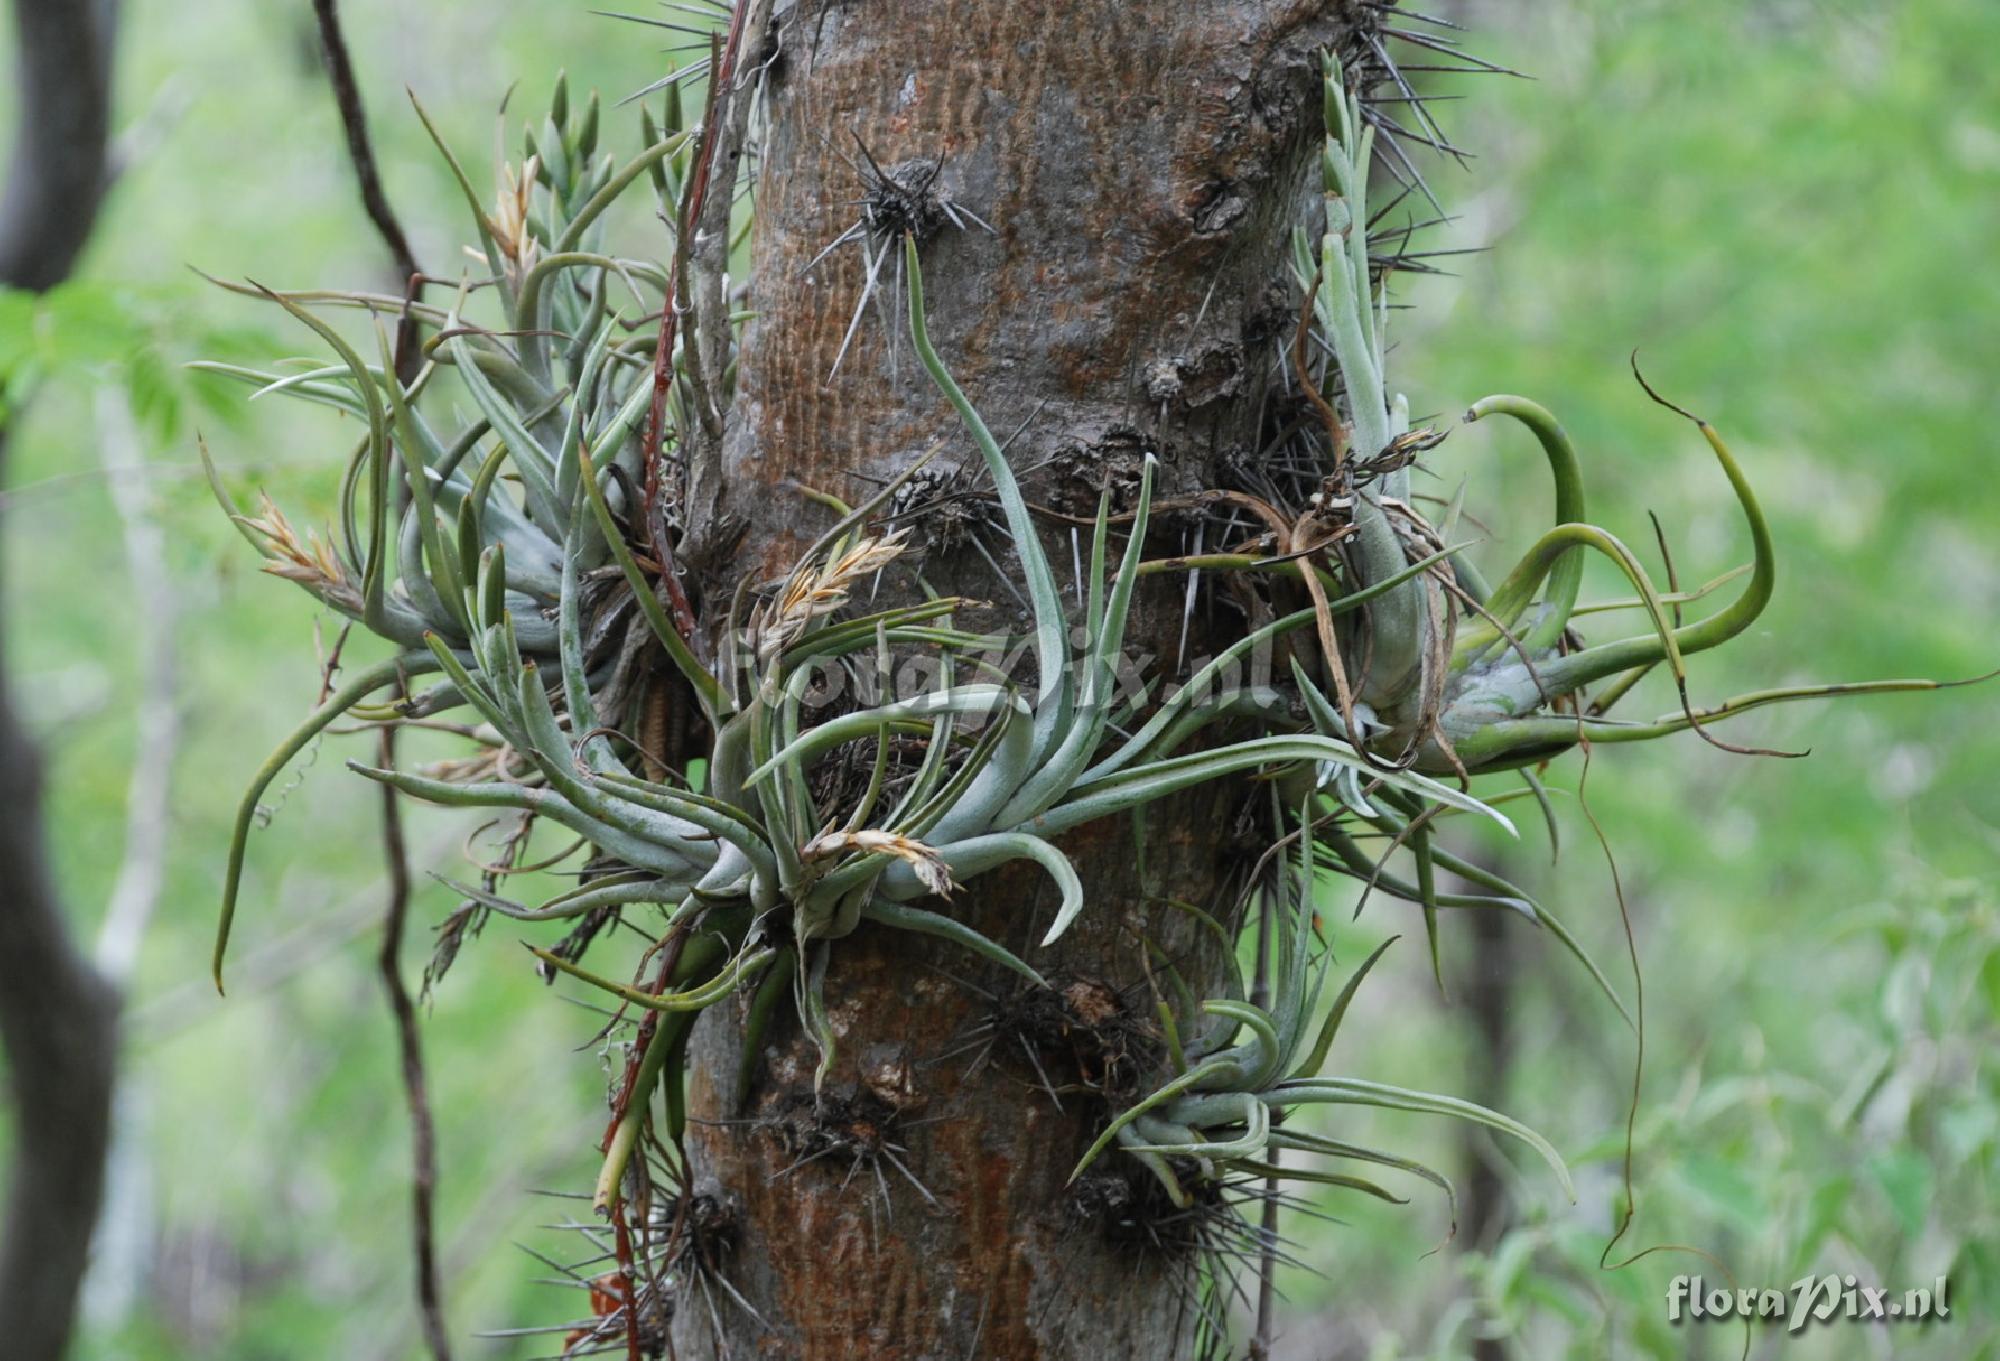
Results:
506 554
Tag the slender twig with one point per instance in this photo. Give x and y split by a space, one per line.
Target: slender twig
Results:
423 1132
621 1104
1267 1266
119 1249
361 151
395 853
720 122
142 871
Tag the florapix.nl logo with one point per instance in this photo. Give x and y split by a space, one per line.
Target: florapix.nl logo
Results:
1810 1299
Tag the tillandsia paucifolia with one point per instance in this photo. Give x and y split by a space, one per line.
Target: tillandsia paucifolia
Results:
431 547
512 602
508 559
1440 674
1218 1115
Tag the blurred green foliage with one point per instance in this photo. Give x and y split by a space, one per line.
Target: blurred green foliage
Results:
1788 206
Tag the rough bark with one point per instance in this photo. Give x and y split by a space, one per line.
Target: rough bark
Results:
1141 163
58 1018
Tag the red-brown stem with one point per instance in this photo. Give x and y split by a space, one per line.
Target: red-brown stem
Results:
721 74
670 958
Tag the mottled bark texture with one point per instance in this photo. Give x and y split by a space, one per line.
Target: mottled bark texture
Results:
58 1018
1141 163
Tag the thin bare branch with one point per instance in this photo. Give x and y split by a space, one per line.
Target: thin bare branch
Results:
361 152
423 1134
395 853
142 873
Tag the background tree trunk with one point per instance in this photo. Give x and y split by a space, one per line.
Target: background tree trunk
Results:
58 1017
1141 163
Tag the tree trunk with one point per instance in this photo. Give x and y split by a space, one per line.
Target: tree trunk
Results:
59 1026
58 1016
1140 163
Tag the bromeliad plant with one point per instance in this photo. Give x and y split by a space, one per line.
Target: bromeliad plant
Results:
513 605
519 555
1219 1114
432 551
1438 673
